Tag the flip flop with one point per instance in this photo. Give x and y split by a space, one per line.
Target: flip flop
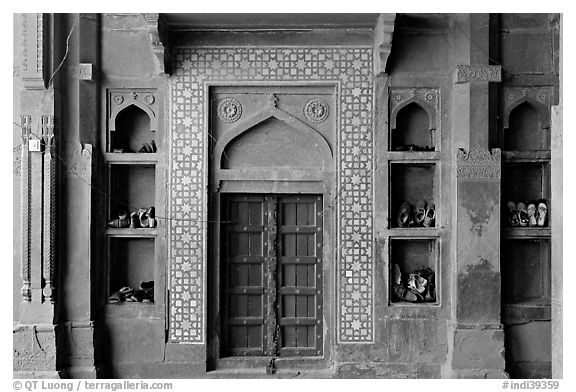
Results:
532 214
522 214
542 212
405 215
513 214
420 212
430 217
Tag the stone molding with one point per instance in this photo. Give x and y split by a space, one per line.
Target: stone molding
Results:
478 73
479 163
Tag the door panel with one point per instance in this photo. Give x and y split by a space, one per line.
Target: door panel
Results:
243 257
272 288
300 276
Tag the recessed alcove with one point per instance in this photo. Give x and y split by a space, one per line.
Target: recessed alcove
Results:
525 131
412 129
410 255
131 187
132 130
526 271
410 183
131 262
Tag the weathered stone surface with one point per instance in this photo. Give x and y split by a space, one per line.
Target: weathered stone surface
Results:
416 341
34 348
192 353
374 370
478 349
135 340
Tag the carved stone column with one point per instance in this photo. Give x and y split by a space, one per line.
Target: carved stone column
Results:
478 345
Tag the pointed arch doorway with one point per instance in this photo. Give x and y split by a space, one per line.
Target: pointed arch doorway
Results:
271 181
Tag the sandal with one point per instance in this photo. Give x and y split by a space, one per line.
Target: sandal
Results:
420 213
522 214
401 292
513 214
417 282
542 212
430 217
151 217
143 217
134 220
532 215
125 293
114 298
146 148
405 215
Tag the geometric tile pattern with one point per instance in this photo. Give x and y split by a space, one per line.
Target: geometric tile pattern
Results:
351 70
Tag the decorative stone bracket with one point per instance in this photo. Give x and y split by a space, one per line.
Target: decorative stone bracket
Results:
157 29
383 32
478 73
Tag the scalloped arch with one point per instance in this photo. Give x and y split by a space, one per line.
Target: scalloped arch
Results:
278 114
139 105
422 104
543 112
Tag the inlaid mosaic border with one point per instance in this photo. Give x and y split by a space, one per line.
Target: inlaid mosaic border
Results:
349 68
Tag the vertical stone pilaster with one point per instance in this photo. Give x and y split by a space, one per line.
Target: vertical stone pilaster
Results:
477 341
35 321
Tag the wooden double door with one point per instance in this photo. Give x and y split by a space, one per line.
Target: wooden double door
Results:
271 275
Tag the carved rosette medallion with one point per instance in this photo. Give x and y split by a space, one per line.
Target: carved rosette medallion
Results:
229 110
316 110
479 163
149 99
118 99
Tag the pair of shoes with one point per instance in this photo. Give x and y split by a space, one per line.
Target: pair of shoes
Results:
520 215
128 294
423 215
419 287
144 217
413 147
121 223
148 148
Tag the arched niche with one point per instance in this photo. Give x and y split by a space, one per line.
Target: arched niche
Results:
272 139
132 127
412 123
525 126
